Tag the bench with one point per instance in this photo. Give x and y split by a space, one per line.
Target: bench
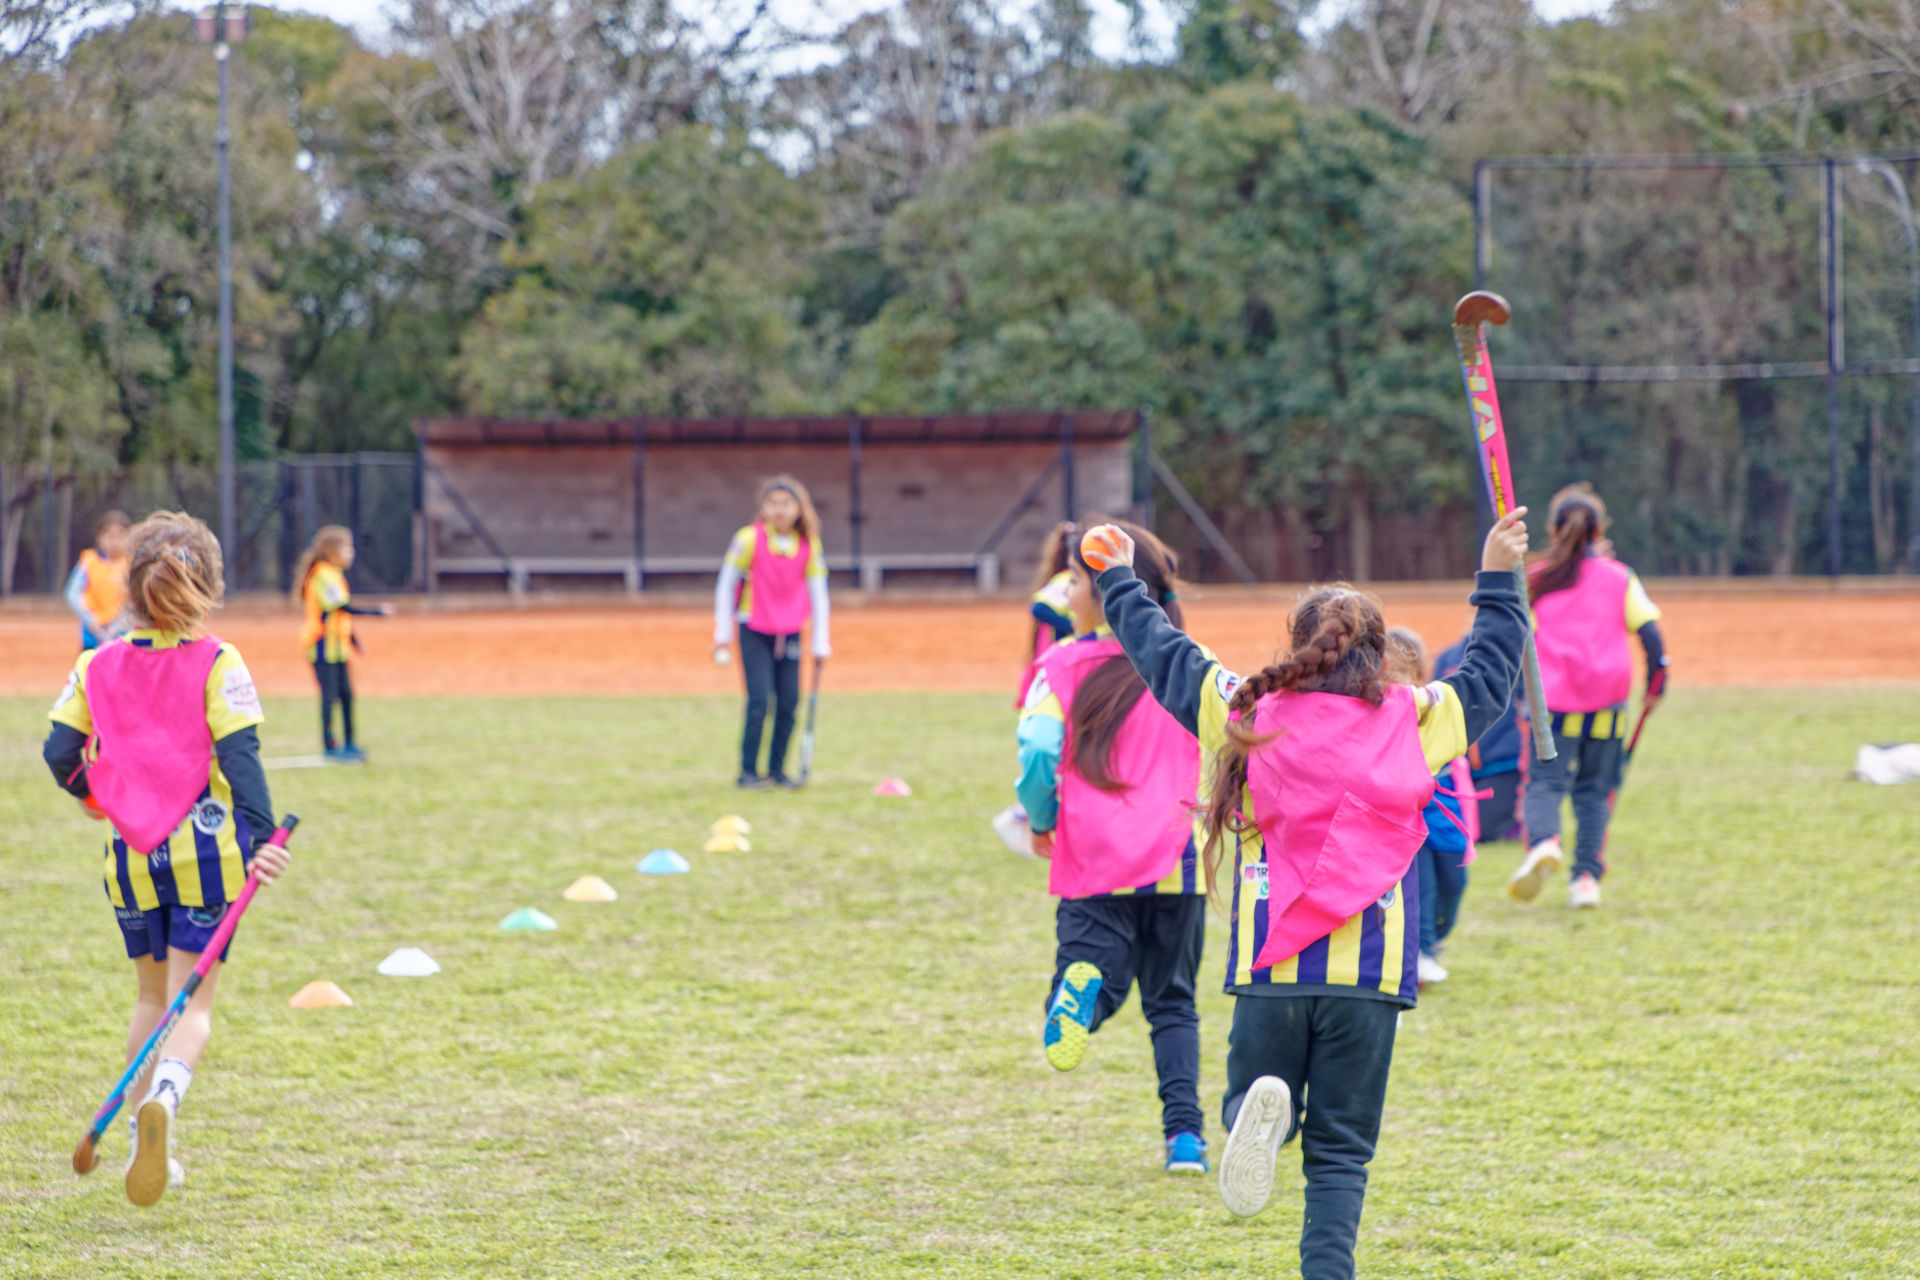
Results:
519 569
985 568
873 568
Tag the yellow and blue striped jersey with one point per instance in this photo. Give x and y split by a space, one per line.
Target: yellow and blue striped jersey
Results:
203 863
326 631
1373 954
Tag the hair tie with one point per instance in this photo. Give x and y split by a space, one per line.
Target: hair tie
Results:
1168 596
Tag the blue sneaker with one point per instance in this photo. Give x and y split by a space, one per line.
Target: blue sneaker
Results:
351 755
1070 1020
1187 1153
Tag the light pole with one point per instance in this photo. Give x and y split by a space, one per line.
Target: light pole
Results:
223 29
1905 205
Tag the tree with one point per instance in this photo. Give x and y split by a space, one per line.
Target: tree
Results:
664 282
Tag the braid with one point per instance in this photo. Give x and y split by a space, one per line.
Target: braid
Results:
1340 641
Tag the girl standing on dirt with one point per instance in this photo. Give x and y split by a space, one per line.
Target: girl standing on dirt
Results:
1108 780
1585 605
97 587
326 632
157 733
772 579
1322 768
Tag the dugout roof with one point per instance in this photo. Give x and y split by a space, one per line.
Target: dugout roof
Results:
1087 426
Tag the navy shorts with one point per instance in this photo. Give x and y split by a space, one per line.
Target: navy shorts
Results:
151 933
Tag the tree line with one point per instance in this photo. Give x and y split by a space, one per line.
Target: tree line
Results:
1254 230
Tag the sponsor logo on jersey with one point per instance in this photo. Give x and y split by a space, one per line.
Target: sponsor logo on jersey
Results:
238 691
209 816
1253 876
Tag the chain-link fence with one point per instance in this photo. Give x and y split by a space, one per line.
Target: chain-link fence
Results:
49 514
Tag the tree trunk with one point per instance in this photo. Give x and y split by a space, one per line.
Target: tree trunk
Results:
1360 526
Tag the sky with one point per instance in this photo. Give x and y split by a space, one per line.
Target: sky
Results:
369 21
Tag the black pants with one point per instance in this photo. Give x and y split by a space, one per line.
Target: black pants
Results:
335 686
1156 939
1333 1052
771 665
1589 768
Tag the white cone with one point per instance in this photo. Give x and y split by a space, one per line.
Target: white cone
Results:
409 962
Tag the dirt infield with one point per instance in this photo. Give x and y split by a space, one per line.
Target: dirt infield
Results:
1717 636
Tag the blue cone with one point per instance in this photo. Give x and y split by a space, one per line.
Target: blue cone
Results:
663 862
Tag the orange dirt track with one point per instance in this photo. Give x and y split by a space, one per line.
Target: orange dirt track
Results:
1719 634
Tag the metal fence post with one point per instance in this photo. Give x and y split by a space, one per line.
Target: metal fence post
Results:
1835 357
1066 469
856 516
640 504
1143 469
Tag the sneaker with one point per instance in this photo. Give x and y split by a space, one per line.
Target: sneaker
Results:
1070 1020
1583 892
152 1168
351 754
753 782
1430 970
1187 1153
1542 861
791 784
1246 1167
1010 824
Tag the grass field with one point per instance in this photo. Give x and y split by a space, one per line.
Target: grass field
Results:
822 1058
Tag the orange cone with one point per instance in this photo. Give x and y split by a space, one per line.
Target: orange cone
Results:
319 994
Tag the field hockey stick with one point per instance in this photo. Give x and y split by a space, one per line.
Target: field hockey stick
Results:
806 735
1655 688
1471 315
86 1156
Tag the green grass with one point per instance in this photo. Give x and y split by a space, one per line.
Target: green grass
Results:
822 1058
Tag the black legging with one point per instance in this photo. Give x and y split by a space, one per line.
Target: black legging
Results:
772 667
335 686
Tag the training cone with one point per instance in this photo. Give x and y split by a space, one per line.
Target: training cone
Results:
528 918
732 824
319 994
892 787
409 962
726 842
663 862
590 889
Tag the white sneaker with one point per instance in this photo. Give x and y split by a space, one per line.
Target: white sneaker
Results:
152 1168
1583 892
1542 861
1430 970
1246 1166
1010 824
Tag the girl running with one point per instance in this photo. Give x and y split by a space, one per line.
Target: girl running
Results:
772 579
157 733
326 632
1108 780
97 587
1052 623
1585 605
1321 771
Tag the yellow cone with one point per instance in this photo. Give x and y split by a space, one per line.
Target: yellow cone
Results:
590 889
732 824
725 843
319 994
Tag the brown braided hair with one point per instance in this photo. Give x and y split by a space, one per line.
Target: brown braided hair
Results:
1577 518
1339 643
1107 696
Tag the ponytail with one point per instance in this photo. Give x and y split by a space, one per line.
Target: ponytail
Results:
1577 518
1340 641
1109 693
175 577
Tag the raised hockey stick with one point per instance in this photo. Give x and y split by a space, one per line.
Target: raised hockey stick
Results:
86 1156
1471 316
